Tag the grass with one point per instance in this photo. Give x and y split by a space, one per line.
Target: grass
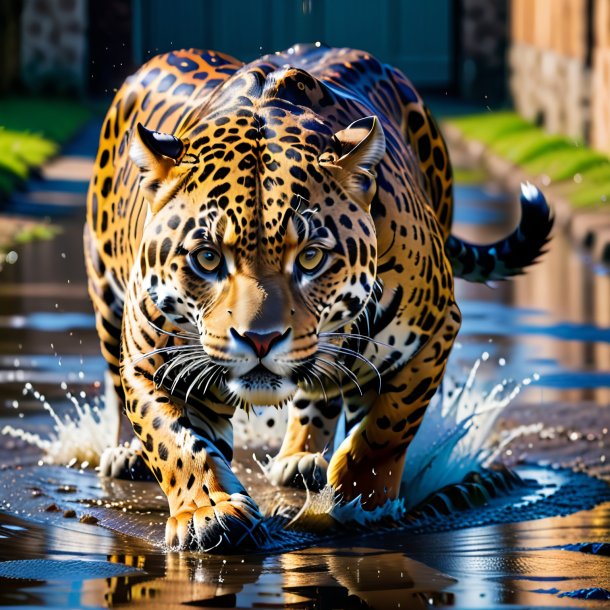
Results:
489 127
582 174
53 119
468 176
31 132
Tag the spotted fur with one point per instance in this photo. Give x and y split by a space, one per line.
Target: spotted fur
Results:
274 233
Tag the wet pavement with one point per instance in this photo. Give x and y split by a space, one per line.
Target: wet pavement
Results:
554 321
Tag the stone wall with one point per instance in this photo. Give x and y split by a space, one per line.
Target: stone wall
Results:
54 45
484 37
550 70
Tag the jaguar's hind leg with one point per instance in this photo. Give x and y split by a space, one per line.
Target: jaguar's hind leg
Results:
123 458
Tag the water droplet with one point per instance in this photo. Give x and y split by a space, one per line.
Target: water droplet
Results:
11 257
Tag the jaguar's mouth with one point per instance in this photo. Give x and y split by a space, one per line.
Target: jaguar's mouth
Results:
260 387
261 375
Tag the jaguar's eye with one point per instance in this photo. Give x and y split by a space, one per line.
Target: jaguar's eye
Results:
311 259
206 260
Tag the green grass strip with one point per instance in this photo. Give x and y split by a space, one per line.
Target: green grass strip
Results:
54 119
583 174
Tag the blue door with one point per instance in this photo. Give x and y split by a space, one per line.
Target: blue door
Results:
415 36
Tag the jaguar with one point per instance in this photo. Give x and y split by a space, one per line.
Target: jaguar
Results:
277 233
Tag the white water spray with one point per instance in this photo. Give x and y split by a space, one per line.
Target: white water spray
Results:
79 438
456 436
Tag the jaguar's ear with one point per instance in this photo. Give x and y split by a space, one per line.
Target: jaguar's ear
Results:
158 156
359 148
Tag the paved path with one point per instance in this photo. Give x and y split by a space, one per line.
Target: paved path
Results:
61 187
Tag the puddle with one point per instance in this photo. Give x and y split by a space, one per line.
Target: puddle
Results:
486 557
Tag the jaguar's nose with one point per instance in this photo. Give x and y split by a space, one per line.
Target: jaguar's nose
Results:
261 343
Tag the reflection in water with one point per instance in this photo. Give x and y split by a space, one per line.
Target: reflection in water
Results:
470 568
183 578
318 578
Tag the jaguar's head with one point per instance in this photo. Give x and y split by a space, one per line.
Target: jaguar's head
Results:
260 241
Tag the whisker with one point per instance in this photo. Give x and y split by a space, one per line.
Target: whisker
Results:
321 385
213 375
334 349
185 335
330 376
184 372
179 375
168 365
343 368
357 336
167 348
350 374
172 364
322 370
198 378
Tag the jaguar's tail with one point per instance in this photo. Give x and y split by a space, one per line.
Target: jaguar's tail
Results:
510 255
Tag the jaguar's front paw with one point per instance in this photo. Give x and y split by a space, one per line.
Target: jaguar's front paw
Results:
298 470
124 462
235 523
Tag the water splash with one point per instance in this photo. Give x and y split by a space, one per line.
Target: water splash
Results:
456 436
322 510
79 438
